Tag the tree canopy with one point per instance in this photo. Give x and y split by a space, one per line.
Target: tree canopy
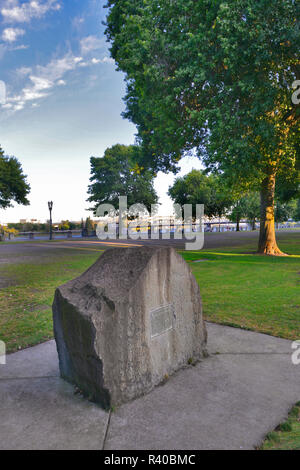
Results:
215 78
13 183
198 188
118 173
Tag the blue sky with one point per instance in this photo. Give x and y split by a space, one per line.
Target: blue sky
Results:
63 102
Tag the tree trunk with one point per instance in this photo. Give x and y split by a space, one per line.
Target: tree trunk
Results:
237 224
253 224
267 240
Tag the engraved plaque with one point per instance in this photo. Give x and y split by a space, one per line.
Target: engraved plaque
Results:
162 319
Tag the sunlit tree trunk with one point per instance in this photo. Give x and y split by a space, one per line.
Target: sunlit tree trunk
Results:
267 240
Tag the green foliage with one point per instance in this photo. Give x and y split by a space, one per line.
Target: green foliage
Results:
296 214
64 225
288 187
284 211
214 77
13 184
8 230
5 230
272 437
89 224
74 225
198 188
246 207
28 227
118 173
287 434
286 426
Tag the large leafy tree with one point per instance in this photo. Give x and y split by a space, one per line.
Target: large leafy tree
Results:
214 77
118 173
198 188
13 183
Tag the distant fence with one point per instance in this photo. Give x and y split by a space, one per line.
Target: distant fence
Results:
161 229
56 234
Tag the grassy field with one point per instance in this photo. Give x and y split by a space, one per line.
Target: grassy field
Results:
238 289
25 306
250 291
287 434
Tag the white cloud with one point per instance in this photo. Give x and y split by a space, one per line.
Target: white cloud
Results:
23 71
2 50
77 22
107 60
41 83
15 11
12 34
43 79
18 48
58 67
19 106
9 46
91 43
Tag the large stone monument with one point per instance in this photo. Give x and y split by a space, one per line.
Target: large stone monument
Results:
128 322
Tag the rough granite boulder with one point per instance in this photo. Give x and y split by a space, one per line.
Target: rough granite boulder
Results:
128 322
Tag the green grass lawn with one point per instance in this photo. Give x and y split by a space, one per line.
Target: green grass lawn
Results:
25 308
250 291
287 434
238 289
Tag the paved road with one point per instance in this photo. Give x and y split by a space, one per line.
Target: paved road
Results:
230 400
41 250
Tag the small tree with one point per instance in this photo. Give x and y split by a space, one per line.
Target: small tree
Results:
246 207
64 225
198 188
252 208
118 173
13 183
237 213
89 224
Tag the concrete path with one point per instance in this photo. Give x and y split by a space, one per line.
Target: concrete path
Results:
39 251
228 401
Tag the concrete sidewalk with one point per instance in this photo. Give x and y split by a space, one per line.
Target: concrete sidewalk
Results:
228 401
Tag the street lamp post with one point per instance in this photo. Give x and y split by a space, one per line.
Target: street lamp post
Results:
50 205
